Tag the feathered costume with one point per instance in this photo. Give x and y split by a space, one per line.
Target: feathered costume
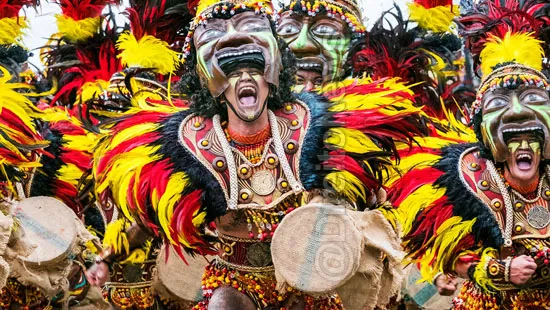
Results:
427 60
174 172
459 209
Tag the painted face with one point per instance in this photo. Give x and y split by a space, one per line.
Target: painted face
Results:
247 93
508 114
525 155
242 38
307 81
320 43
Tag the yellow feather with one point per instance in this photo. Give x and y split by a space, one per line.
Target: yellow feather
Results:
122 169
148 52
11 30
115 236
407 163
447 237
351 140
204 4
522 48
70 173
165 208
77 30
418 200
389 100
436 19
83 143
132 132
480 273
347 185
91 90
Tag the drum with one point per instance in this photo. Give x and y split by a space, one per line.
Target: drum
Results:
176 280
316 248
50 228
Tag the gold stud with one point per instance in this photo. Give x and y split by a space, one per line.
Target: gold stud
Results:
288 107
197 124
484 183
294 123
219 163
244 170
244 196
290 146
204 142
284 184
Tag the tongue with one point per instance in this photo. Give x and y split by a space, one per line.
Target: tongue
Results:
524 165
248 100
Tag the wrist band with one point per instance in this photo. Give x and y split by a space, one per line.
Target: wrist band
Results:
507 264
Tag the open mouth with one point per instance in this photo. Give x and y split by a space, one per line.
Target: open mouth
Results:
231 59
524 161
524 157
247 95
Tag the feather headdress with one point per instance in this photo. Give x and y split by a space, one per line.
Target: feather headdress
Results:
81 19
155 26
503 37
433 15
427 61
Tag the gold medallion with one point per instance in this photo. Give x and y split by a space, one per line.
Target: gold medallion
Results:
263 182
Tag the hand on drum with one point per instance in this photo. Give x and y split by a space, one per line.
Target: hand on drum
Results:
446 285
98 274
521 269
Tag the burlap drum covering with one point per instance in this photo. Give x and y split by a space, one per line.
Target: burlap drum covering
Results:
316 248
6 225
323 248
175 280
56 235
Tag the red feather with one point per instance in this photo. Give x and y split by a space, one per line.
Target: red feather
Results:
11 8
433 3
82 9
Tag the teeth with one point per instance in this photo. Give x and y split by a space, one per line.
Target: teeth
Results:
522 129
308 65
232 54
524 156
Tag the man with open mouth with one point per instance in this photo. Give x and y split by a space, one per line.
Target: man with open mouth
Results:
319 34
487 216
225 176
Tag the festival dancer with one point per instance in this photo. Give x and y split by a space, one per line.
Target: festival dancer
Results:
481 210
244 155
319 33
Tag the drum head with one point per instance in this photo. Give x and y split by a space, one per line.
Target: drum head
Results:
316 248
49 226
178 280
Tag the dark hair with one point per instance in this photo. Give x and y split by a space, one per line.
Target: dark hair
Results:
12 57
202 102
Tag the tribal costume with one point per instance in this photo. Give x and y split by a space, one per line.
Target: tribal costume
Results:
188 176
481 208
